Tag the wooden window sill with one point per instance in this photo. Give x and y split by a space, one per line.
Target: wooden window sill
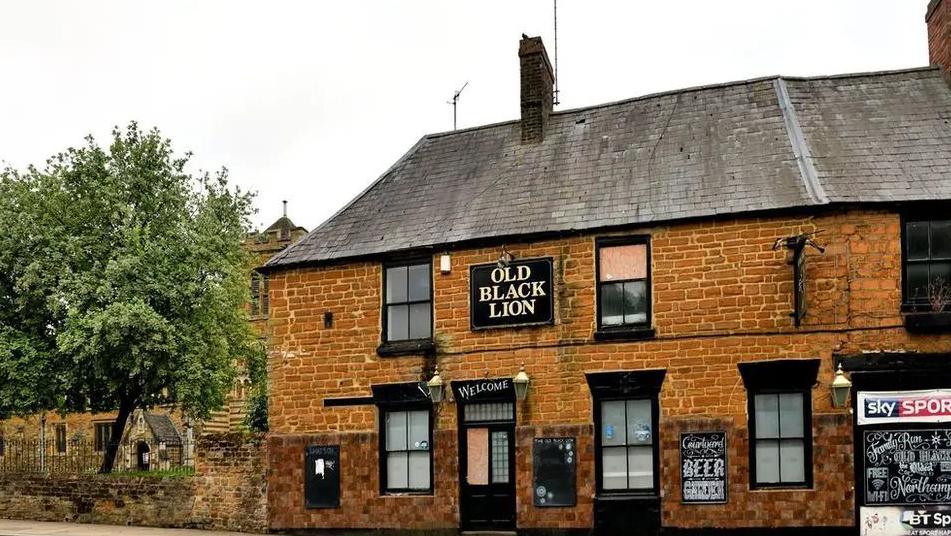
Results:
627 334
398 348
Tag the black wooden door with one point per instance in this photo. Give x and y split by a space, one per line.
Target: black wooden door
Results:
487 463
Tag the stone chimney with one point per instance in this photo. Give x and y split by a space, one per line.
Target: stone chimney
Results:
537 83
938 18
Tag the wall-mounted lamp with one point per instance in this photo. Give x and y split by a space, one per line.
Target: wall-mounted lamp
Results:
505 258
445 263
841 387
521 382
436 387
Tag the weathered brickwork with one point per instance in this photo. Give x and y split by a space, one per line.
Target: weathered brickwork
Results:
228 492
362 506
721 296
939 33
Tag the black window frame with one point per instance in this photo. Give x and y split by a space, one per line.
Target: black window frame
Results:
59 438
632 330
627 385
778 376
807 482
382 410
384 312
923 215
100 443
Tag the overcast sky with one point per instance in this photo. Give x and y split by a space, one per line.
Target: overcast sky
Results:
311 101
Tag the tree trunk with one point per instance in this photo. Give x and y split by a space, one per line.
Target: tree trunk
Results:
126 405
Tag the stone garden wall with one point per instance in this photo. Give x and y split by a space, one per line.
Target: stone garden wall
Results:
227 492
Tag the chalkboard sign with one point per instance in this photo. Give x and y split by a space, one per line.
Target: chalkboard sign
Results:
322 476
555 460
518 294
907 467
703 467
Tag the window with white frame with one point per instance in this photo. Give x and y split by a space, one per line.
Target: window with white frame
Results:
779 439
779 398
626 445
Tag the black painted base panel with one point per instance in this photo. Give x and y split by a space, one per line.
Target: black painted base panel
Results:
666 531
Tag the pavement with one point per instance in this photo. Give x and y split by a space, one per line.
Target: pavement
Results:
9 527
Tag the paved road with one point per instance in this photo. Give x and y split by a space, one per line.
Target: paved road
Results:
37 528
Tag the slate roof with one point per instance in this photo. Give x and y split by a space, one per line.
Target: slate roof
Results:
163 428
761 144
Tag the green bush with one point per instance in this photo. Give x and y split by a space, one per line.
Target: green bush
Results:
256 421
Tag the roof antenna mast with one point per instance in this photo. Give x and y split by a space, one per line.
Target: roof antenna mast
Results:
454 102
556 55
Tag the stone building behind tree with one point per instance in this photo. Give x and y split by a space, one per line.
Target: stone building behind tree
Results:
151 429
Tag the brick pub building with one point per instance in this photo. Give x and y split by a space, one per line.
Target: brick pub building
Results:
680 275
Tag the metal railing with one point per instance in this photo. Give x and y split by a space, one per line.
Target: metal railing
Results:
77 456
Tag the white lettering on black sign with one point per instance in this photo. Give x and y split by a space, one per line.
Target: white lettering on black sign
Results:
513 295
703 468
907 467
472 390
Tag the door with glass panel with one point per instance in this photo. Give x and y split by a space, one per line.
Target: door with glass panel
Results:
487 465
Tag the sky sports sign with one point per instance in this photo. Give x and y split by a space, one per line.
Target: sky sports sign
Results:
881 407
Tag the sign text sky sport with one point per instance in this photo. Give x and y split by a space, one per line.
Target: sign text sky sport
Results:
878 407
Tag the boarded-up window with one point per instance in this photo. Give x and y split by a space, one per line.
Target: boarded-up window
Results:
623 285
477 456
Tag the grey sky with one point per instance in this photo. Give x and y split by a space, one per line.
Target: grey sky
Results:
311 101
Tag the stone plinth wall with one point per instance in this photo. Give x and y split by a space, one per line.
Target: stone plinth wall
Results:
227 492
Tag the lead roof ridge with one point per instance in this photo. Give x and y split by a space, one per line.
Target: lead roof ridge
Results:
799 144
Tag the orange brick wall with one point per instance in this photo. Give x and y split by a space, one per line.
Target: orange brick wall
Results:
721 296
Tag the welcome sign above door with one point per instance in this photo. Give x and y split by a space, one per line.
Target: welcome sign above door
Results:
488 389
519 294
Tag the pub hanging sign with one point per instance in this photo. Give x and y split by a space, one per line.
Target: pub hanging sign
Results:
516 294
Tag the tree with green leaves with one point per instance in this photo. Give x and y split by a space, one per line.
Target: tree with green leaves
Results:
122 282
256 417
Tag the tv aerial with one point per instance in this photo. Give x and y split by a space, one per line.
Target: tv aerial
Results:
454 102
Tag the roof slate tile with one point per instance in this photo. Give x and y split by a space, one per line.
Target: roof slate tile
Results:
697 152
